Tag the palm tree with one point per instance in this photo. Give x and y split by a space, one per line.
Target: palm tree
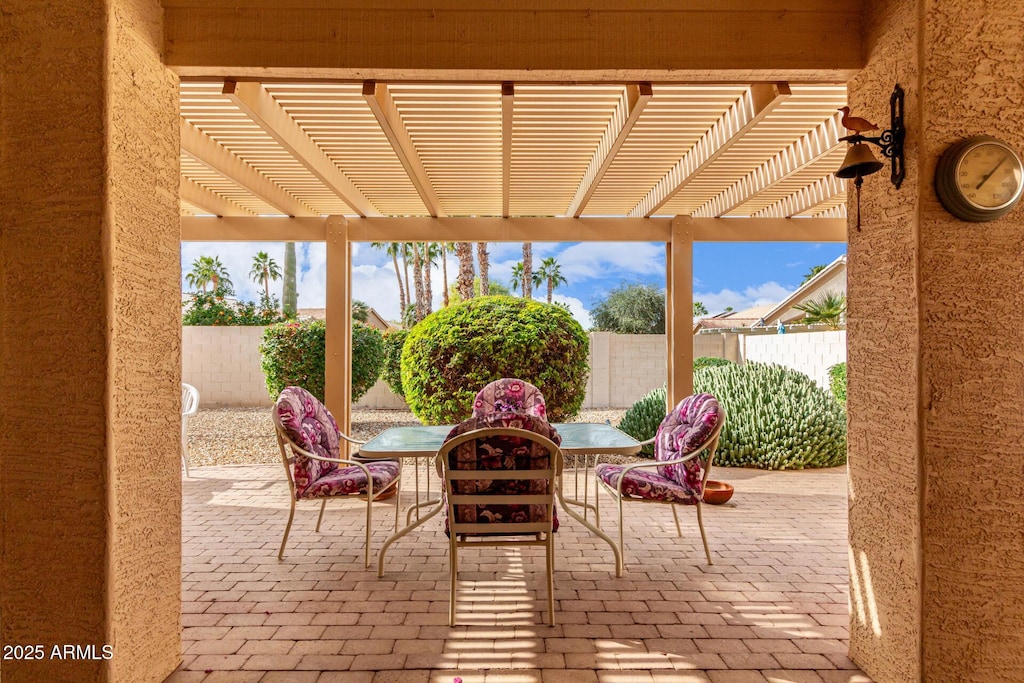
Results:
812 272
829 308
482 258
417 274
551 273
527 279
360 310
517 277
464 251
208 270
264 269
700 309
392 249
406 251
444 270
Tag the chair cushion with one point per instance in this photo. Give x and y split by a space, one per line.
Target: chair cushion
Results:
352 480
502 453
309 425
684 430
645 483
509 395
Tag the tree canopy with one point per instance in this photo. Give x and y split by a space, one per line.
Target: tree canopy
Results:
631 309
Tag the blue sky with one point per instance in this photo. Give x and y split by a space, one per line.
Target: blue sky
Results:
733 274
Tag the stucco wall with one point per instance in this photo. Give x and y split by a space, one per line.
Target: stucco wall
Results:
89 250
972 381
882 389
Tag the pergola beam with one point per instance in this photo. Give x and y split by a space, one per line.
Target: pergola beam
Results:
470 40
384 110
751 107
626 113
803 151
508 94
264 110
526 229
219 159
210 202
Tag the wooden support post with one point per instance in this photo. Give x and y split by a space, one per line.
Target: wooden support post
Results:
338 352
679 318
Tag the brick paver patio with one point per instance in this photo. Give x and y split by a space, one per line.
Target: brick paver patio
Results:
772 608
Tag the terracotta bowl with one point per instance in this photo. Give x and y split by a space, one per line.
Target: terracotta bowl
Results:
717 492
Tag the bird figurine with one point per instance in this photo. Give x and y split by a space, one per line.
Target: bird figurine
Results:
855 123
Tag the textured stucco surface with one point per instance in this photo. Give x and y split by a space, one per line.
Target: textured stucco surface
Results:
882 370
89 481
936 471
972 380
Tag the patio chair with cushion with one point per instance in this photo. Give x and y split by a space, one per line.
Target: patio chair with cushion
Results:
316 469
189 407
684 449
499 469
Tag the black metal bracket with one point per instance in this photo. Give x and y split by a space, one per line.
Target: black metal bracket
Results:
891 139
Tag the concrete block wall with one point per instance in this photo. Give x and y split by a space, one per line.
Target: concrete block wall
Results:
812 353
224 363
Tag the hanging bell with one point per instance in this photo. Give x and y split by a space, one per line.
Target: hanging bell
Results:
859 162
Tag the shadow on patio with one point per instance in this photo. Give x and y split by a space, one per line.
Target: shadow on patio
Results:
773 607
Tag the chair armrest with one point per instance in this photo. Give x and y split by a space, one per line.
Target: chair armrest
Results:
351 439
650 464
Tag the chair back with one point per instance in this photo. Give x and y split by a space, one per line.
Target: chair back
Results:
509 395
499 476
305 422
189 399
692 426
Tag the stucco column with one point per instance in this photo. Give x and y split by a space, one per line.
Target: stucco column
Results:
936 364
90 483
338 342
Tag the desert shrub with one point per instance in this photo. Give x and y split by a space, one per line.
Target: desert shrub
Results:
449 356
776 418
837 381
292 354
392 373
642 419
709 362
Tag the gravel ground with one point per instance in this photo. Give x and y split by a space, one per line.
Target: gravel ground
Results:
245 436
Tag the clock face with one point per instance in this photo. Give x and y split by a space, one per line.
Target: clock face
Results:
988 176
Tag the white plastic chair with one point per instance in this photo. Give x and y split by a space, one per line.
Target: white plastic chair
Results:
189 406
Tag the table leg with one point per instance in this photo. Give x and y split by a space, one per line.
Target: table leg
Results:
593 529
406 529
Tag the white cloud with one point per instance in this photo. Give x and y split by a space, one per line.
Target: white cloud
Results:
609 259
576 307
765 294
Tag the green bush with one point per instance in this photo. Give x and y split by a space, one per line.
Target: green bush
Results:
212 308
837 381
392 373
709 362
292 354
449 356
641 421
776 418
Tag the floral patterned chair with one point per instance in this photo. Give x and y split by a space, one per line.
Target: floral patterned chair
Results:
499 469
684 449
315 469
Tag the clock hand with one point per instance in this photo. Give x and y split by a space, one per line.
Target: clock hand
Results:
989 174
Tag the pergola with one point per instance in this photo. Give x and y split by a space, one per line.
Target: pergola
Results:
372 161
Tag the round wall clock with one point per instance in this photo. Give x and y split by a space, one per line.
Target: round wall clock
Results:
979 179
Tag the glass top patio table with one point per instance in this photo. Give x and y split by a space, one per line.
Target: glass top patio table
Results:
578 438
423 441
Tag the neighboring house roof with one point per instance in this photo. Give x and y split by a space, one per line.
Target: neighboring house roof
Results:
373 319
831 279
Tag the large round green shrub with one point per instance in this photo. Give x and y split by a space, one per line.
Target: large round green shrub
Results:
292 354
452 353
776 418
392 374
